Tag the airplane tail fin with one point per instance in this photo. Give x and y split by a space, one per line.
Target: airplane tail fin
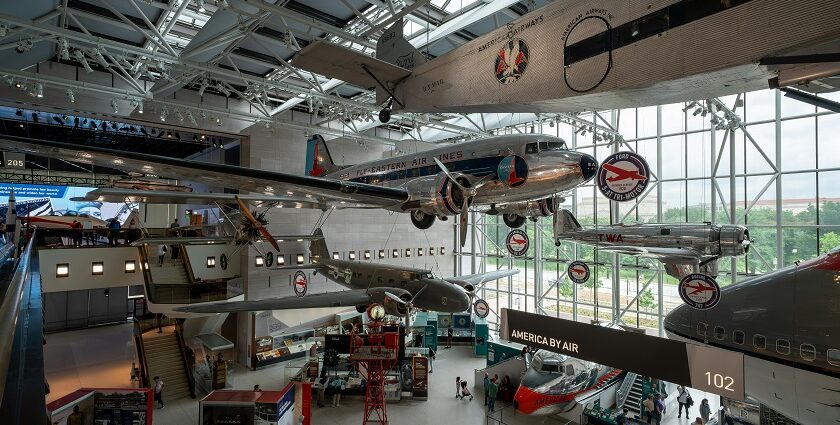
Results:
318 248
565 222
318 159
393 48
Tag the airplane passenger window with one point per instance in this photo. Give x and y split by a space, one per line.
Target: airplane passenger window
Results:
808 352
701 328
720 333
833 356
759 342
738 337
783 346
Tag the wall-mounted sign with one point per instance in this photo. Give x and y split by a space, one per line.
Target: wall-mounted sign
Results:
300 284
517 242
623 176
14 160
699 291
481 308
578 272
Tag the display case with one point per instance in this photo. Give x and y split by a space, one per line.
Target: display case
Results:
280 348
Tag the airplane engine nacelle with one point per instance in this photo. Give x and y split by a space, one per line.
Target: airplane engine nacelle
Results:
541 208
733 240
436 195
392 307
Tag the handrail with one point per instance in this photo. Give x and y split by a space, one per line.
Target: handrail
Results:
141 353
179 335
624 390
9 310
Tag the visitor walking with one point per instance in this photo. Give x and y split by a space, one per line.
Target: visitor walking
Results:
159 391
705 410
486 387
621 418
161 252
449 337
650 407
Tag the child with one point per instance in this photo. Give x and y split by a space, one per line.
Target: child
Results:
464 391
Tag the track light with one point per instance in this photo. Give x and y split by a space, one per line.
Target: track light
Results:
97 54
697 112
139 106
200 4
4 29
114 105
71 96
163 113
38 90
18 85
80 56
192 118
180 116
218 121
24 46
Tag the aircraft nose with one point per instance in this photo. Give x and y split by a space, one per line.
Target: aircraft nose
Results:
588 166
678 320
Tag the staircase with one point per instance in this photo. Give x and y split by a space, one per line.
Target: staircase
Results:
172 272
163 358
634 398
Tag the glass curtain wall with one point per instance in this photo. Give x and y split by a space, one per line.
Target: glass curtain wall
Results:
779 175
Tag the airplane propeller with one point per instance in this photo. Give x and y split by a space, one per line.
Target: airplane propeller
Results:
409 305
257 224
468 192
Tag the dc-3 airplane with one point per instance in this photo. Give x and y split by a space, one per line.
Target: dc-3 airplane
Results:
399 289
785 324
683 248
579 54
518 176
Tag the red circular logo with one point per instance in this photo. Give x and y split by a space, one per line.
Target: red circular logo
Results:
623 176
511 61
300 283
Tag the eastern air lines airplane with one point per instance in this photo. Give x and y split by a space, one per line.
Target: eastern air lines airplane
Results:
518 176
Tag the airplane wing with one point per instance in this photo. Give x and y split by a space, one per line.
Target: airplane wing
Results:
334 61
317 190
670 255
171 197
180 240
476 279
349 298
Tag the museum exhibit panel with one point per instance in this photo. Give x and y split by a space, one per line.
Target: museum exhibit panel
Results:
329 212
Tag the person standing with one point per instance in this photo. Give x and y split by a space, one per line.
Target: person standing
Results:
338 387
115 231
449 337
650 407
698 421
705 410
322 387
87 226
486 387
159 391
174 233
660 409
683 398
77 233
492 393
621 418
77 417
457 387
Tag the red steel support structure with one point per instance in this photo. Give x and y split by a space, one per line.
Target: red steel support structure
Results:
375 353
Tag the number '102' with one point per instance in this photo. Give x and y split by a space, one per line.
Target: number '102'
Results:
720 381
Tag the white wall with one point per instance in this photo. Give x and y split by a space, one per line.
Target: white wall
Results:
80 260
197 254
345 230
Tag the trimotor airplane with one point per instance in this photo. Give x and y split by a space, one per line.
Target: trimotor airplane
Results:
682 248
397 288
785 324
580 54
518 176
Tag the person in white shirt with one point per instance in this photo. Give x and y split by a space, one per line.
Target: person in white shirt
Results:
684 399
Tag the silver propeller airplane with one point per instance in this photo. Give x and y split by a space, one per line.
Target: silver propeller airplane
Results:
399 289
683 248
519 176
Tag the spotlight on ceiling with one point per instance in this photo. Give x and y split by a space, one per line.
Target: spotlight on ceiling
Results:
71 96
24 46
39 90
139 106
163 113
80 56
200 5
63 49
115 106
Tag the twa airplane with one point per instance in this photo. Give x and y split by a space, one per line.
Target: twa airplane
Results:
518 176
583 54
683 248
785 324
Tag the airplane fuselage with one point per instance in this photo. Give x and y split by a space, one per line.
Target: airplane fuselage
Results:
785 323
438 295
543 167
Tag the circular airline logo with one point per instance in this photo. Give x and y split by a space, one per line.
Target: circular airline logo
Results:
517 242
300 283
578 272
623 176
512 171
269 259
699 291
462 322
481 308
511 61
223 261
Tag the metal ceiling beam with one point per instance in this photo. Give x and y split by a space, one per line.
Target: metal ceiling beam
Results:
291 103
466 19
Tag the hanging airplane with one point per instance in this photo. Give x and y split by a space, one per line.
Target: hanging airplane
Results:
518 176
785 324
682 248
399 289
574 55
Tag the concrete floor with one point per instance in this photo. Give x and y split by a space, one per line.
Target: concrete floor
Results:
101 357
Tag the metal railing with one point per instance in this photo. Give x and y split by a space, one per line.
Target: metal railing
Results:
9 310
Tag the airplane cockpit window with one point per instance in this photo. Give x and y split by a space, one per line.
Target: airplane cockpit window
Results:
553 146
550 367
570 370
833 356
808 352
531 148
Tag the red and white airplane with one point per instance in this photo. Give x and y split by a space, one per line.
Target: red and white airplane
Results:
622 174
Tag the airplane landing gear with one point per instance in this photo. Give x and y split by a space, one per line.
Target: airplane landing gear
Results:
422 220
513 220
385 113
